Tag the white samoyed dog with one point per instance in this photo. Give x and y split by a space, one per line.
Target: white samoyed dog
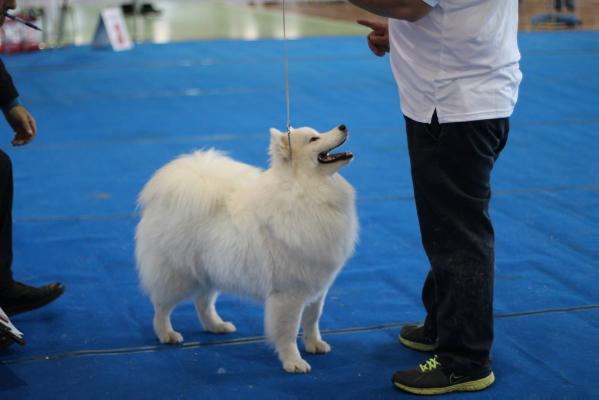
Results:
211 224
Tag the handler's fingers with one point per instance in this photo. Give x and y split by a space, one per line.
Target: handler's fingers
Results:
22 135
32 125
25 131
377 26
373 48
19 140
379 40
378 51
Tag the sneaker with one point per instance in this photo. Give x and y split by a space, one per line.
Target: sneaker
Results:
430 378
415 337
19 298
9 331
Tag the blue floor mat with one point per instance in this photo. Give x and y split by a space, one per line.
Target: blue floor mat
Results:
359 367
108 120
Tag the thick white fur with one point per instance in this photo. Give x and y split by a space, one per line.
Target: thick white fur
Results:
211 224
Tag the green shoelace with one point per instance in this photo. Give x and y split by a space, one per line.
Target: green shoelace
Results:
430 364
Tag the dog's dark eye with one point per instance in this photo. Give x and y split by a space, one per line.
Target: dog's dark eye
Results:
314 139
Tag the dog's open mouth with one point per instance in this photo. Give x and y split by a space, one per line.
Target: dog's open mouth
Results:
325 157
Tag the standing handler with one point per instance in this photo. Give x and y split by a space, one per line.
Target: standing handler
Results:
15 297
456 63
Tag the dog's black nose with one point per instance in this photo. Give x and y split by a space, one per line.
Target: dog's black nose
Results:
342 128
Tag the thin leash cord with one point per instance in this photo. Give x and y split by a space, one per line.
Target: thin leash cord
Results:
287 102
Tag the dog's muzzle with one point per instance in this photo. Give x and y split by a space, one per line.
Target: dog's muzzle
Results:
326 158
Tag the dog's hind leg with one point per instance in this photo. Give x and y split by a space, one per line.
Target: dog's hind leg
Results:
282 318
162 324
172 291
313 342
211 321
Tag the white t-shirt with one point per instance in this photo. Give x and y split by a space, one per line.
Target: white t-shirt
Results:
461 59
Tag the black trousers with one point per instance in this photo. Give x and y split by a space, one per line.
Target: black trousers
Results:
451 167
6 195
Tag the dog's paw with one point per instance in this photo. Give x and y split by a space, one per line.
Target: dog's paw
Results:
223 327
298 366
171 337
317 347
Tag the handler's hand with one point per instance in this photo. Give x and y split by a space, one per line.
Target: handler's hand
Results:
23 124
378 39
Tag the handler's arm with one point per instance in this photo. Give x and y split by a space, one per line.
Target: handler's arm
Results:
409 10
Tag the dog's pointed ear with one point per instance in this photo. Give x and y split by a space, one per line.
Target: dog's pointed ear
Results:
279 146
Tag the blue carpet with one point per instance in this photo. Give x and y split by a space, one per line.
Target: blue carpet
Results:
108 120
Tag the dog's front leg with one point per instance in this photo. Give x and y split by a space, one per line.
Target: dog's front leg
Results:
313 342
282 318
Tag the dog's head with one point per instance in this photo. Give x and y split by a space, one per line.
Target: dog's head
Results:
310 150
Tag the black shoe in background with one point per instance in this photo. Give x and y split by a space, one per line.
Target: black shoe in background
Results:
18 297
127 8
430 378
144 9
416 337
148 9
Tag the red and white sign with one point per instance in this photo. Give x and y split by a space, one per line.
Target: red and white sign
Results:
112 31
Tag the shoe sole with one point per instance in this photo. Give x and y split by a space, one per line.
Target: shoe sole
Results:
470 386
10 311
418 346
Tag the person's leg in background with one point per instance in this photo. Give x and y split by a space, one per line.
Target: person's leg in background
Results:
570 5
16 297
6 193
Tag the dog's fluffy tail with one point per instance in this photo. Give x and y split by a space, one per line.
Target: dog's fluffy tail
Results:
197 182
